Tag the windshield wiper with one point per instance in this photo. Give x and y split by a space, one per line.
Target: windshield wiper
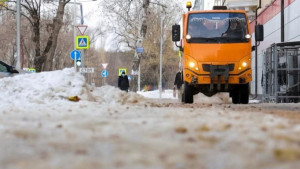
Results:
211 39
233 39
216 40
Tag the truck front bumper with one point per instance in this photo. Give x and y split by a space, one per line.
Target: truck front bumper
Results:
218 74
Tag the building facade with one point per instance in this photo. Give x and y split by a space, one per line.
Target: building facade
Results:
203 4
198 5
247 5
270 17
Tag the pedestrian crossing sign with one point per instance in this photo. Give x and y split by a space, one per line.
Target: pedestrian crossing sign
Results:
82 42
122 70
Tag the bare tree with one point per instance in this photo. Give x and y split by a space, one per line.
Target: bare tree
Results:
129 19
7 43
151 59
129 22
32 11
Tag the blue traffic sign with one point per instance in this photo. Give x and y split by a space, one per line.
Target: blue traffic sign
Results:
75 54
140 50
104 73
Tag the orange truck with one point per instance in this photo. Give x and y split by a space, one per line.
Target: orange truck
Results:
216 53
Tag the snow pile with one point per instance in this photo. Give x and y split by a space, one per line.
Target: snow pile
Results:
166 94
217 98
45 86
55 86
199 98
113 95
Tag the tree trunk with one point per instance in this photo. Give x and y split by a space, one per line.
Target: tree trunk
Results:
49 51
139 43
38 59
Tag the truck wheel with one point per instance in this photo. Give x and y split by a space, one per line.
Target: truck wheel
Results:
241 95
244 92
187 95
235 98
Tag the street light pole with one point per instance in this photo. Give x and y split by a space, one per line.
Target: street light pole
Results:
160 58
74 31
139 78
160 53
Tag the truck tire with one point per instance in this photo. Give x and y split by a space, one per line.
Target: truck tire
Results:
244 92
241 95
187 95
235 98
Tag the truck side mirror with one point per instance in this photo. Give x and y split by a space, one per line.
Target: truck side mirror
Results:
176 33
259 32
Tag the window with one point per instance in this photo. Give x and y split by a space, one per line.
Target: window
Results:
217 27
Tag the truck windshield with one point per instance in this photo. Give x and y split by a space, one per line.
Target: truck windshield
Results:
217 27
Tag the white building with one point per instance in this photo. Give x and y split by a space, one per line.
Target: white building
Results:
203 4
270 17
247 5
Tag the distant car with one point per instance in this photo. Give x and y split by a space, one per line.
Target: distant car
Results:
7 70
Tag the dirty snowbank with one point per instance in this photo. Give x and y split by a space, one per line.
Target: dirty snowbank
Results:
45 86
48 87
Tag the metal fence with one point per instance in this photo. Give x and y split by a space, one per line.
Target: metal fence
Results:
281 73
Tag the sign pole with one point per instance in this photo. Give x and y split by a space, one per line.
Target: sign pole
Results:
82 64
139 79
75 66
104 83
82 58
74 31
139 50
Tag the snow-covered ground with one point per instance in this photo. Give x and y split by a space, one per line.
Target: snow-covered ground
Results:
41 129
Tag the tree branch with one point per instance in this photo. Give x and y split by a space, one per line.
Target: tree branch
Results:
157 3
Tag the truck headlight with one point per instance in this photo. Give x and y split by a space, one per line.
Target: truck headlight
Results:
244 64
192 64
248 36
188 37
